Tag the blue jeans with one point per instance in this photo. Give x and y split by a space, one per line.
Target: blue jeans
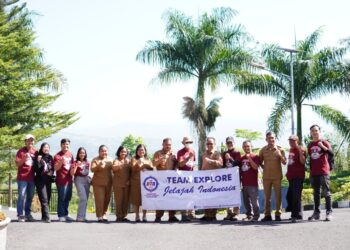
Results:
64 196
25 192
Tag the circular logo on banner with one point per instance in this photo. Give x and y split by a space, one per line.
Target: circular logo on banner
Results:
150 183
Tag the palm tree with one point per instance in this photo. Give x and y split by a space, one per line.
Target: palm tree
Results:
210 51
316 74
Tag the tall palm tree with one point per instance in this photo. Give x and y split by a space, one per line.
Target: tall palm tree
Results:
211 51
317 73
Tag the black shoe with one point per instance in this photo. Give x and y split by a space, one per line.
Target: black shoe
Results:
294 220
204 218
173 219
228 217
158 220
125 220
278 218
314 217
46 220
266 218
185 219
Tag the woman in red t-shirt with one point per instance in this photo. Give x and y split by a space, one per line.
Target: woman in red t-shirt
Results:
80 170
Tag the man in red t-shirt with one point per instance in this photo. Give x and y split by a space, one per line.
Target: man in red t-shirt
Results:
296 175
186 158
25 178
231 158
249 177
319 151
63 161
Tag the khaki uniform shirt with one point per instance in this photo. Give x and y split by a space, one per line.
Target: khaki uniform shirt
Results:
164 161
272 164
215 161
102 175
121 173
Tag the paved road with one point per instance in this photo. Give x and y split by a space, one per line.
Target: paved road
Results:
194 235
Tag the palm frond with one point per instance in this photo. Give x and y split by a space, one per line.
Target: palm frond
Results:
308 45
189 108
169 75
334 117
276 59
278 115
212 114
265 85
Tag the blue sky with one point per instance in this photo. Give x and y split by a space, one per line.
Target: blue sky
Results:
94 44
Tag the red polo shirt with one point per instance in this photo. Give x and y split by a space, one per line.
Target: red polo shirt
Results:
25 172
63 176
319 158
183 154
295 168
249 175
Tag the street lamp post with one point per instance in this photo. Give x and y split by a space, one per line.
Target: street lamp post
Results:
291 51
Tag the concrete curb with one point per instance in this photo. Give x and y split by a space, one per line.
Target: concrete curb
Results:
3 208
335 204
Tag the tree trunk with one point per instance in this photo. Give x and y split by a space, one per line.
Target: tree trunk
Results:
201 132
202 136
299 124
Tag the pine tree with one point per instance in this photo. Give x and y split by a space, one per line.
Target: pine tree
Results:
28 86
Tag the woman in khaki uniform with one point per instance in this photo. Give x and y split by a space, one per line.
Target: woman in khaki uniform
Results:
138 163
102 182
211 160
121 183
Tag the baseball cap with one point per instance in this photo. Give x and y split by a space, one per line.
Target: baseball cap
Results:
186 139
230 139
293 137
29 136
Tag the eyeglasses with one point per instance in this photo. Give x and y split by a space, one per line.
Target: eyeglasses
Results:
229 143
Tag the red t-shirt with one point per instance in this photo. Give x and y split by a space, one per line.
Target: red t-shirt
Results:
183 154
83 169
295 168
319 158
25 172
249 175
63 176
235 155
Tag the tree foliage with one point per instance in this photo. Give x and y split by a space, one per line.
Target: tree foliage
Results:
28 86
317 73
131 142
210 50
248 134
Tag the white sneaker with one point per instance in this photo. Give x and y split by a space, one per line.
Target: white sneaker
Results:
21 218
329 216
62 219
69 218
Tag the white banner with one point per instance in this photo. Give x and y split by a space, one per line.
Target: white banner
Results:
185 190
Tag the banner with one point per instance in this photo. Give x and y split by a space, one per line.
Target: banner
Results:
186 190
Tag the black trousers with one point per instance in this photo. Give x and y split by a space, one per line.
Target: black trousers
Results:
296 189
43 188
319 182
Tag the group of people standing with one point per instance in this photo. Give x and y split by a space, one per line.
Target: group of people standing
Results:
122 175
